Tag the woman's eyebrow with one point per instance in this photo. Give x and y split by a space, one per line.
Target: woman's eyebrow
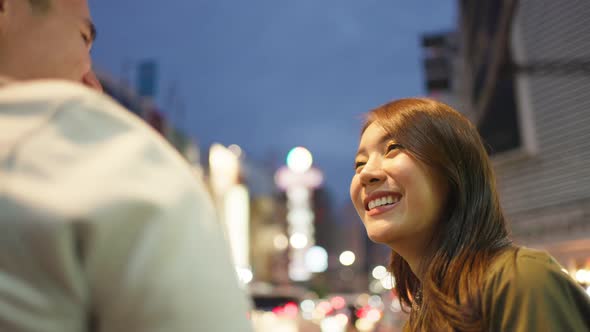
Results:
382 140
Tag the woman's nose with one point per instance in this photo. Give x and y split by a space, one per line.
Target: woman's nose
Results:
372 173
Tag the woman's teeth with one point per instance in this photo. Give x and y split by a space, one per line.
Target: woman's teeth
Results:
385 200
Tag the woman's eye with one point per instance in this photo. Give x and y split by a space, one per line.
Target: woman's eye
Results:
393 146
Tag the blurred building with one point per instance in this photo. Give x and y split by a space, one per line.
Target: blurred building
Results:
268 237
249 204
440 61
122 93
522 74
350 235
145 107
339 231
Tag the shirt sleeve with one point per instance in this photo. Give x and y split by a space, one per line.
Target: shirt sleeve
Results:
531 293
152 255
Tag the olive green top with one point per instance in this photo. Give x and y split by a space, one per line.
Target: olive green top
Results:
527 290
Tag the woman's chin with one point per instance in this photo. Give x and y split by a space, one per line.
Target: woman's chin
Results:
380 237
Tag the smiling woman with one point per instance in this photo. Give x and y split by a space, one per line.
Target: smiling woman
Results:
424 186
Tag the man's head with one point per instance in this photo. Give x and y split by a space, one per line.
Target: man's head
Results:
46 39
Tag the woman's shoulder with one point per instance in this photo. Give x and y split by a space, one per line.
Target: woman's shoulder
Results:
515 258
522 282
525 266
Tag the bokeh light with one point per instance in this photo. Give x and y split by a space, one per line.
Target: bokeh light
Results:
338 302
379 272
280 242
236 149
299 159
388 281
316 259
307 305
298 241
245 275
347 258
375 301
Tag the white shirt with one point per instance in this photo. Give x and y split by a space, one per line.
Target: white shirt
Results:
103 224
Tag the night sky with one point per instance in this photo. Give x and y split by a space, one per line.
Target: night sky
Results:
269 75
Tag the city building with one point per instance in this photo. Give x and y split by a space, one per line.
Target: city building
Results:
522 74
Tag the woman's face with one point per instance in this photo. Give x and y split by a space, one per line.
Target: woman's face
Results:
397 197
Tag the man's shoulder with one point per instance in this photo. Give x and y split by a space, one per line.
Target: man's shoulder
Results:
65 134
43 90
38 97
27 100
27 107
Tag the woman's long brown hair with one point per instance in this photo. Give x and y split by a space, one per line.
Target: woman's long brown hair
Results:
472 230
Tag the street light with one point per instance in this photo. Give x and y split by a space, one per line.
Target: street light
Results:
299 160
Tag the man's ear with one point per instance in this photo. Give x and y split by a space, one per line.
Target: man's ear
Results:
3 12
90 80
6 8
